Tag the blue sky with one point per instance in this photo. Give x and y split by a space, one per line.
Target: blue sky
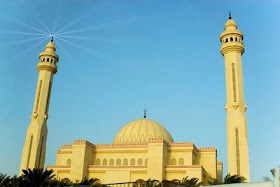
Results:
120 57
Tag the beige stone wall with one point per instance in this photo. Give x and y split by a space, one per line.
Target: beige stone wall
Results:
220 171
180 154
207 157
110 156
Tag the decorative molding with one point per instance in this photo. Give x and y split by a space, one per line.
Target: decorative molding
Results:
235 106
207 149
183 166
108 166
66 147
232 47
49 167
181 144
47 66
34 115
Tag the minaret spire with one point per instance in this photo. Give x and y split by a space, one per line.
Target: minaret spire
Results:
34 150
232 49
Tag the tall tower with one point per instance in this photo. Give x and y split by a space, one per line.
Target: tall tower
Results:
232 49
34 150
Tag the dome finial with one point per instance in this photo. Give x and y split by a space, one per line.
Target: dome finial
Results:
229 14
145 113
51 38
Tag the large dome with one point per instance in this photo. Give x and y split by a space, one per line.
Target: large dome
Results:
140 131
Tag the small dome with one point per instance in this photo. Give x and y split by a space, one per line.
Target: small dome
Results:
230 25
50 45
140 131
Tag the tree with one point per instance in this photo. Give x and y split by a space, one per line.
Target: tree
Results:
214 181
227 180
56 183
151 183
38 177
91 182
272 171
233 179
193 182
4 179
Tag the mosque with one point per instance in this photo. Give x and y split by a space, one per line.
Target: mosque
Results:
143 149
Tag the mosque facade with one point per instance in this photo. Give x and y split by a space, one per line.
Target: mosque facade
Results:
143 149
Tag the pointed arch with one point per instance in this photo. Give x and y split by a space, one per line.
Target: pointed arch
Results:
181 161
111 163
132 162
104 162
139 162
125 162
118 162
173 161
98 162
68 162
146 162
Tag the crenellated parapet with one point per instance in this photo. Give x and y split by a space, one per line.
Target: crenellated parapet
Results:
181 144
66 147
116 146
207 149
83 142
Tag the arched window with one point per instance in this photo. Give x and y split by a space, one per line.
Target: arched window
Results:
68 162
181 161
146 162
43 59
231 39
125 162
104 162
111 163
236 39
173 161
139 162
132 162
118 163
226 40
48 59
98 162
51 60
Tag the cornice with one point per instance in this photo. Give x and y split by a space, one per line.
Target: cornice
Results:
232 47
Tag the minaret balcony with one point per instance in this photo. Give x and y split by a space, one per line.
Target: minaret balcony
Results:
47 66
232 46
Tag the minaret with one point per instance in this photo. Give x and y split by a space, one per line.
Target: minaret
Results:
237 141
34 150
